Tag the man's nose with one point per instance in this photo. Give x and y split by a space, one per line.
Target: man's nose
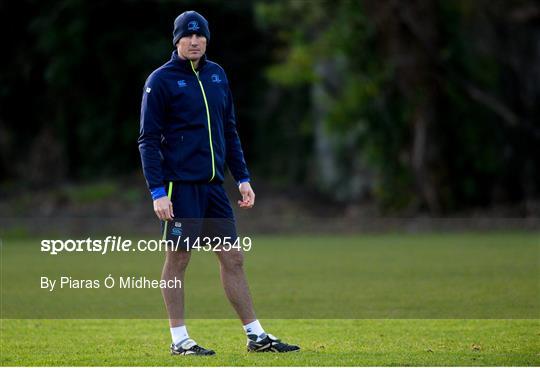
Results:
194 39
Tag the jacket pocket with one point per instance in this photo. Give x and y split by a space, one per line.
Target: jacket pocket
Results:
181 151
173 152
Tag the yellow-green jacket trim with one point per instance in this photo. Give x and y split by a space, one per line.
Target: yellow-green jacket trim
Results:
208 120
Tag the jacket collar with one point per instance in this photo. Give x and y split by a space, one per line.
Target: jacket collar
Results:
186 64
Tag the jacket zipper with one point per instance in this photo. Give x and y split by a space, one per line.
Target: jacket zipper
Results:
207 119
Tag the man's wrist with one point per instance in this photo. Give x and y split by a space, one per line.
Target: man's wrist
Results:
158 192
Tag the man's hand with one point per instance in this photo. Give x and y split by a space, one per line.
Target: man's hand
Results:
248 196
163 208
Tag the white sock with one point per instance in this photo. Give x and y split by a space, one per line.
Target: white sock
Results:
179 334
255 328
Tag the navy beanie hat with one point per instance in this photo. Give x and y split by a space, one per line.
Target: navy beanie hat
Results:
188 23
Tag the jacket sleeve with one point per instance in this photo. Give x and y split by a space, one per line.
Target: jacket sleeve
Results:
234 156
151 129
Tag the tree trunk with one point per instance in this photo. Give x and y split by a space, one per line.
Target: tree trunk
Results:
327 173
406 32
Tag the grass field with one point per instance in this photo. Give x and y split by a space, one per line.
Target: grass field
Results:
324 342
453 299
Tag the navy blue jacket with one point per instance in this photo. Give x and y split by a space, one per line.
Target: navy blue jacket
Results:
188 125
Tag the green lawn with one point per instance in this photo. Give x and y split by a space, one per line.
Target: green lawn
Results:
470 275
324 342
389 299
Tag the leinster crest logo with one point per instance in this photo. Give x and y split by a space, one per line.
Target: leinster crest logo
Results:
193 26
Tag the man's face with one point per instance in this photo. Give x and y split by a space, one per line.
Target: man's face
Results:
192 47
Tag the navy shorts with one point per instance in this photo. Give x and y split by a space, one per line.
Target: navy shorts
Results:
200 210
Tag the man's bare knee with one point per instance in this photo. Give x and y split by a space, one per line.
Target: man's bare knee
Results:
178 259
232 260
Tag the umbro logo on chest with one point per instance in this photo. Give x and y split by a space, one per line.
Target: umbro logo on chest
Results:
181 83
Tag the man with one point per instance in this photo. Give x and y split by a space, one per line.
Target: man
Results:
188 134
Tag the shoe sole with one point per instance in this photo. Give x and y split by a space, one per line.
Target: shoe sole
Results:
182 354
270 351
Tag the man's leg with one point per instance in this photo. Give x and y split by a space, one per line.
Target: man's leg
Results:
187 208
235 284
237 290
186 225
175 266
220 222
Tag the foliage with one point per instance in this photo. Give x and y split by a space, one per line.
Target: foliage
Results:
419 106
391 76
